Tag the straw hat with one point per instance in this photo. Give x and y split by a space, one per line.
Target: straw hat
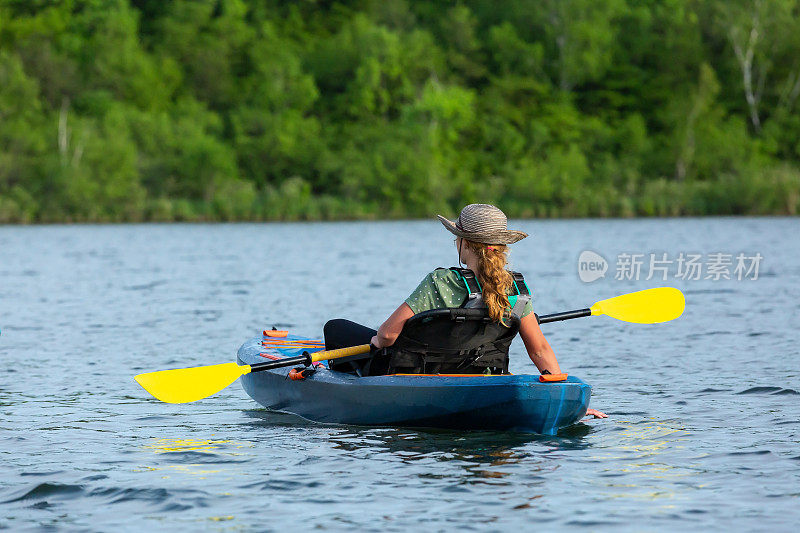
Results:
483 223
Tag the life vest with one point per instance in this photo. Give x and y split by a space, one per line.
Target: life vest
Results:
462 340
474 300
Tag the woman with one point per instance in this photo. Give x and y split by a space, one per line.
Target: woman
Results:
482 240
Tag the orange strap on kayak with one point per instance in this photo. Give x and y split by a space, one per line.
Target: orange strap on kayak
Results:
299 373
547 378
275 333
290 344
290 341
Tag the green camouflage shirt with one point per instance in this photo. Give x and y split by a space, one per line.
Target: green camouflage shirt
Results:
444 288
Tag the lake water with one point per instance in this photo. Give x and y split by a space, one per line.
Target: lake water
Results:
703 429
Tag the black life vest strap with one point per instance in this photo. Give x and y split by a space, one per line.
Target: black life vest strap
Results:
523 294
470 282
519 284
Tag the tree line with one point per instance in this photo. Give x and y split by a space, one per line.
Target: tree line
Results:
136 110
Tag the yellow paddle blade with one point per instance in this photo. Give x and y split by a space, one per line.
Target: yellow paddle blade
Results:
184 385
649 306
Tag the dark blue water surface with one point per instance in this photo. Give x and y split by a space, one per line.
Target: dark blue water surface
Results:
703 429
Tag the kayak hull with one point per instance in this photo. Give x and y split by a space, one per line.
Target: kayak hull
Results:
507 403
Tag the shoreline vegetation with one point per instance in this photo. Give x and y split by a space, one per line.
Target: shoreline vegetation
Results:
224 110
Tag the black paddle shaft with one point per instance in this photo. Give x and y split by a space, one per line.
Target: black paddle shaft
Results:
555 317
304 359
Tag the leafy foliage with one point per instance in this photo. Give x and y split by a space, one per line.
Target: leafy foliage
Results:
130 110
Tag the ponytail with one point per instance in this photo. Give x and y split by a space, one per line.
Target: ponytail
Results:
495 280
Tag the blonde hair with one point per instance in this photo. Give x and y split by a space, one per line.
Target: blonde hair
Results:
495 280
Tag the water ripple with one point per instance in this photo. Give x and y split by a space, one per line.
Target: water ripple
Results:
57 491
769 390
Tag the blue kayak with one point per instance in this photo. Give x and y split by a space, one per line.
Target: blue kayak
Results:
504 402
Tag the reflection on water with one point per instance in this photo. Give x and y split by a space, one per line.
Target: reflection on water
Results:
210 455
478 454
191 469
641 458
195 445
646 439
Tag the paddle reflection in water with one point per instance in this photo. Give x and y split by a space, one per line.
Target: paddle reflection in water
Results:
197 457
197 445
651 458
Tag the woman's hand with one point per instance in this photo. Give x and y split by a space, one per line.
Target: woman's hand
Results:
595 413
375 341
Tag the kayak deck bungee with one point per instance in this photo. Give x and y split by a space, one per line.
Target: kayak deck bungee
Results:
500 402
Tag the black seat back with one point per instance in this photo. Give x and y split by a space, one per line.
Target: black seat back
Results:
455 340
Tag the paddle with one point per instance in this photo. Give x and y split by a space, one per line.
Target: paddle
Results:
184 385
650 306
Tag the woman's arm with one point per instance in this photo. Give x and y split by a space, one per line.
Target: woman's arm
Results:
541 353
539 349
390 330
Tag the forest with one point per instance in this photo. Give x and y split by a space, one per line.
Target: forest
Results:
231 110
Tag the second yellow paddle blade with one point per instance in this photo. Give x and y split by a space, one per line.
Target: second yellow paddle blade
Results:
184 385
649 306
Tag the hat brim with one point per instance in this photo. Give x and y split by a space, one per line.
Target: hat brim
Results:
496 237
